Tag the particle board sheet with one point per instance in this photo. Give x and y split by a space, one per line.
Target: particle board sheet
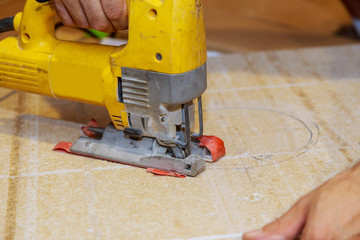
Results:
289 119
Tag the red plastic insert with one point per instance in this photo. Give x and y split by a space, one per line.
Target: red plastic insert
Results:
214 144
165 173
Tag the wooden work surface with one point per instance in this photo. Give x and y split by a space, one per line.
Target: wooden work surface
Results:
290 121
248 25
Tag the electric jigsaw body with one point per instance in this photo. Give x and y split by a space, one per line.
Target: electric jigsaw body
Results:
149 86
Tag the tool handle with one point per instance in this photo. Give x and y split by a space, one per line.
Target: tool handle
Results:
7 24
37 26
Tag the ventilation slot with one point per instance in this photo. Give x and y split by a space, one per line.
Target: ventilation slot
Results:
117 120
135 92
19 74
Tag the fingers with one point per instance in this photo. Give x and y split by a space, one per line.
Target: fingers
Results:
102 15
331 211
76 12
63 13
286 227
96 16
116 13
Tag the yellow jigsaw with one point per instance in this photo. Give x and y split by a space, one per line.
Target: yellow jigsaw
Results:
148 85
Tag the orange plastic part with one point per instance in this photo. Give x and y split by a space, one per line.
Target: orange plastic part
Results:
214 144
86 131
164 173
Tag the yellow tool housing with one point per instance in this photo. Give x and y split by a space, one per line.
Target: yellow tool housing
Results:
165 36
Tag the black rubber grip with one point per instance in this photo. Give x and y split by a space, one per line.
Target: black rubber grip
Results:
7 24
133 133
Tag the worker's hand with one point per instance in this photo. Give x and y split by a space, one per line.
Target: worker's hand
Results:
102 15
331 211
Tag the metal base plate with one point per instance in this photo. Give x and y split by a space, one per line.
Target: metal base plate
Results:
146 153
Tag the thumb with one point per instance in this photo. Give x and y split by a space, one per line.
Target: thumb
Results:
286 227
